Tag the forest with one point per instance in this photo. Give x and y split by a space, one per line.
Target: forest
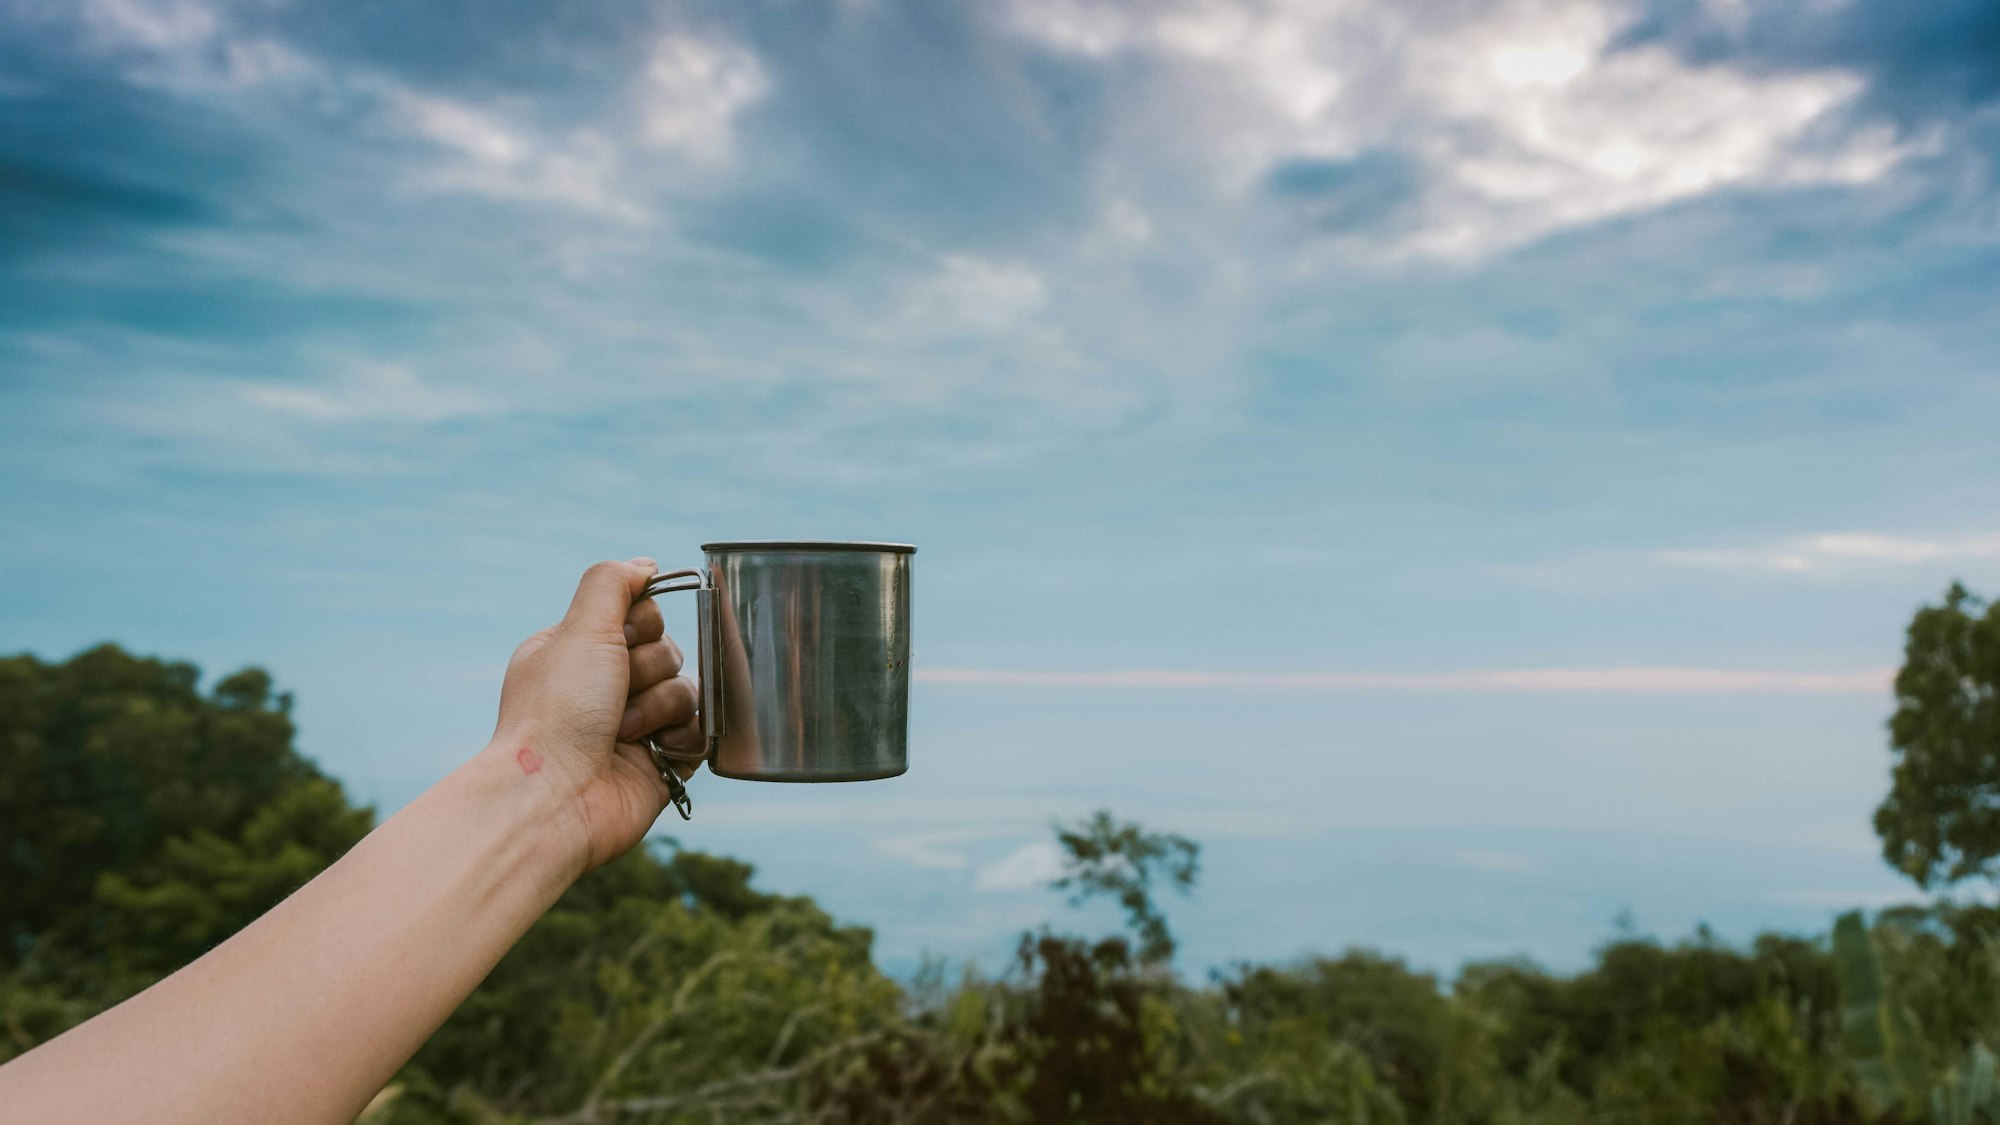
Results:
145 818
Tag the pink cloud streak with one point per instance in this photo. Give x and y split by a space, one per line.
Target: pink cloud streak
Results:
1651 680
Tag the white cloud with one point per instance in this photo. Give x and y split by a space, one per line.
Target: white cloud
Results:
1640 680
186 47
255 62
1135 320
972 294
1568 133
504 160
1830 553
367 392
152 24
462 128
1126 223
1080 26
331 425
694 89
1027 867
1525 119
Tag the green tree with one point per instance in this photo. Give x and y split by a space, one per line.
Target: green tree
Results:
1756 1066
1122 862
1941 819
142 823
662 986
202 887
1396 1019
1096 1038
107 756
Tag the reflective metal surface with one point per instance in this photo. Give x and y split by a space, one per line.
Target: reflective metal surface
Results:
804 652
811 658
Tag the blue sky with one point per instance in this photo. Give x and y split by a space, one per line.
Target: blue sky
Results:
1467 463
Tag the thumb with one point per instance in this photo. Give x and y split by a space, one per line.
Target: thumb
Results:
606 593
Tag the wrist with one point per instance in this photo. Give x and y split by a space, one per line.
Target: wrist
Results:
529 793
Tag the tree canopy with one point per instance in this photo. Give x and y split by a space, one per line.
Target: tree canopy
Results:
133 799
1103 857
1941 820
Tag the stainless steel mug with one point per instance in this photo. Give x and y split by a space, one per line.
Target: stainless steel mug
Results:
804 660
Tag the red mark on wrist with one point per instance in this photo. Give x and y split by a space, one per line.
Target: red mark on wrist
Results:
529 760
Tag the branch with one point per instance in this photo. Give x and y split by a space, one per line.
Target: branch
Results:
594 1112
679 1003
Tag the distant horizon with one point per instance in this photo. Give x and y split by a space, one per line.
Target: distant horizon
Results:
1516 872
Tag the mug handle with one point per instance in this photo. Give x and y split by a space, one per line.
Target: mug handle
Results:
709 671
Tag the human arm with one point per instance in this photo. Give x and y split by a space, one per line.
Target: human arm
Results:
307 1012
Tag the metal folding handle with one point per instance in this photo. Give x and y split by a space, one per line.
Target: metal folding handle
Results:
710 680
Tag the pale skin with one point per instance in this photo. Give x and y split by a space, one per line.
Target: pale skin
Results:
306 1014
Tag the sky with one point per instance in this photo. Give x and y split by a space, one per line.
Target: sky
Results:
1468 464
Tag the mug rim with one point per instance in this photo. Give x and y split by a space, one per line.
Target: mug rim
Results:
808 545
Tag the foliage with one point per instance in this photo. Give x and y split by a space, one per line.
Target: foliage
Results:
1878 1031
145 820
106 757
1103 857
1097 1038
1395 1019
1969 1092
202 887
1941 819
660 982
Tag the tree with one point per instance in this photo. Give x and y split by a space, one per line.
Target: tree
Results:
106 757
142 822
1941 820
660 986
202 887
1121 862
1093 1034
1395 1018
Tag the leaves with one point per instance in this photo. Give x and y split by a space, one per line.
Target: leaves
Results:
1104 858
203 887
106 758
1941 819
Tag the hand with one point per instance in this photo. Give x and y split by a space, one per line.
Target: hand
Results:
580 693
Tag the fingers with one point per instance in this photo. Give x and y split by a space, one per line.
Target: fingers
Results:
683 738
653 662
644 622
639 760
665 704
606 593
